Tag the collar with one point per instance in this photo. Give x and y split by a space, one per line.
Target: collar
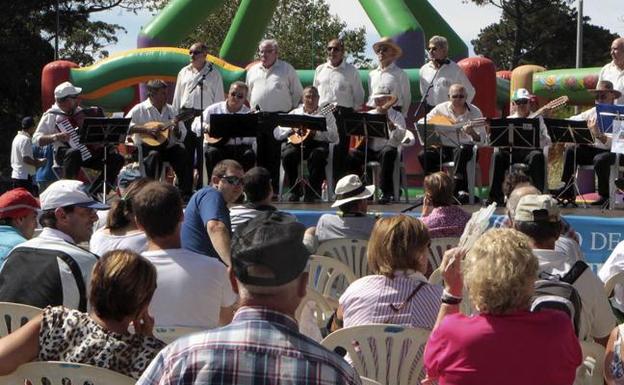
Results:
410 273
259 313
55 235
339 66
275 64
7 228
22 132
148 104
388 68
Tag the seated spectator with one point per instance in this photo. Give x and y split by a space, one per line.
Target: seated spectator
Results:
614 363
351 221
18 219
128 174
504 343
614 264
121 287
50 269
442 217
121 231
397 292
262 344
193 290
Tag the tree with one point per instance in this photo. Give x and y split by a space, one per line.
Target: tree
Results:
540 32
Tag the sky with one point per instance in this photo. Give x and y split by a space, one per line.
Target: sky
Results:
466 18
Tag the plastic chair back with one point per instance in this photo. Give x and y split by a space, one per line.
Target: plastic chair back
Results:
591 371
329 276
351 252
62 373
15 315
437 248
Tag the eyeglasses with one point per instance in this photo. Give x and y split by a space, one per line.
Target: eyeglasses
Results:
521 102
458 96
601 96
432 48
193 53
237 95
233 180
382 49
329 49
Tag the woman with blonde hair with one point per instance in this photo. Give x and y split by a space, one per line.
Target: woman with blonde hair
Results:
397 292
505 343
442 217
122 285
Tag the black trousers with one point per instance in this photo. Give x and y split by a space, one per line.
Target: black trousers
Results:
315 153
386 157
243 154
177 156
71 162
533 158
341 150
268 155
459 155
589 155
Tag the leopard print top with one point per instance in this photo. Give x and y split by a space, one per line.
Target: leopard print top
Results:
72 336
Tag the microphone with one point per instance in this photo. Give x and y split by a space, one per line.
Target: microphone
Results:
417 203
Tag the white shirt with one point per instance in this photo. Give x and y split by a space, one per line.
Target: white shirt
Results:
145 112
472 112
544 137
341 85
448 75
21 148
395 136
612 73
274 89
221 108
331 135
586 116
47 125
614 264
102 241
395 80
187 96
191 289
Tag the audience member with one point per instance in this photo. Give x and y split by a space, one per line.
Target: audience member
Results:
206 228
121 287
128 174
442 217
614 264
504 343
18 219
269 273
397 292
51 269
192 290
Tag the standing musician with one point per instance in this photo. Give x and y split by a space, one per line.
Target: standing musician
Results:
382 150
239 149
315 147
614 71
448 73
339 82
456 111
533 158
390 76
156 109
58 126
273 87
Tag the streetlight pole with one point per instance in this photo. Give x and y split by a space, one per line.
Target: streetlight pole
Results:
56 36
579 34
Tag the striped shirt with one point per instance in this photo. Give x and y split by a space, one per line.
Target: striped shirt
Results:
368 300
260 346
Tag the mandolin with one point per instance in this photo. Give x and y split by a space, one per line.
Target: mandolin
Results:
155 133
302 134
358 141
550 106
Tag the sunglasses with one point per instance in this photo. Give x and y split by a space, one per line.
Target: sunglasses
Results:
233 180
458 96
432 49
521 102
382 49
193 53
329 49
601 96
237 95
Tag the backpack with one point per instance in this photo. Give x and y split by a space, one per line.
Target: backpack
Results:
556 292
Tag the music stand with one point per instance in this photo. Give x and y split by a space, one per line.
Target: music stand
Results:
510 133
233 125
606 114
104 131
366 125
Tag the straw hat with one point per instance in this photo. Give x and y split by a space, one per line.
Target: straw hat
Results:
606 86
387 42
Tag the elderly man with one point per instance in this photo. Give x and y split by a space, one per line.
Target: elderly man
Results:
614 71
445 71
389 76
339 82
18 219
51 269
269 274
273 87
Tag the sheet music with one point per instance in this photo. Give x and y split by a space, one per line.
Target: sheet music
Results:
65 126
617 143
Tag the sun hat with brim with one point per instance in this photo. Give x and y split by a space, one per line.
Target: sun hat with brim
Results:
350 188
387 42
605 86
17 203
66 89
66 192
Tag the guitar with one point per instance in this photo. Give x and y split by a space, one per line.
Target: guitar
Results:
442 120
552 105
302 134
155 133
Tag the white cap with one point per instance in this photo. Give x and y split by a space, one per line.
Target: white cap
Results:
67 192
350 188
521 93
66 89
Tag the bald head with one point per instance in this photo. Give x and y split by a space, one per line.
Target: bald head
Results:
516 194
617 52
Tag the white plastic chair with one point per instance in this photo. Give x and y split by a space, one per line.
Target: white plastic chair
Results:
612 281
389 354
168 334
437 248
368 381
62 373
351 252
591 371
321 308
329 276
15 315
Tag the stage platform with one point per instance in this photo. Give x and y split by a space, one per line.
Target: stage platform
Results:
599 230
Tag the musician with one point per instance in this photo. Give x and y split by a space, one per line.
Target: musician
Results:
614 71
339 82
239 149
534 159
390 76
315 147
273 87
156 109
448 73
458 111
67 113
379 149
599 154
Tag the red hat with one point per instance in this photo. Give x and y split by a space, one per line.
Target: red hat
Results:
17 203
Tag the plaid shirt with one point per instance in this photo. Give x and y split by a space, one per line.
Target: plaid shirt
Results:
260 346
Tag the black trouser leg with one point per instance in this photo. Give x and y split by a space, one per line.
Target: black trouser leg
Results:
71 163
152 160
177 156
501 164
536 161
462 156
212 156
387 157
602 160
291 157
317 160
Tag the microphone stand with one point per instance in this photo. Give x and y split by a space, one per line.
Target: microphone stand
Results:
200 155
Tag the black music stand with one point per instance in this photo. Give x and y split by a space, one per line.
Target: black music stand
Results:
233 125
104 131
366 125
510 133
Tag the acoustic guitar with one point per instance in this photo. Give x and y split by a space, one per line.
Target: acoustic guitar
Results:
154 133
552 105
302 134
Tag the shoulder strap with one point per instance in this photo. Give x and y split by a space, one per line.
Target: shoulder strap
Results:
575 272
398 308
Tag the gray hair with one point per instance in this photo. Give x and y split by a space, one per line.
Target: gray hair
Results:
270 42
439 41
155 85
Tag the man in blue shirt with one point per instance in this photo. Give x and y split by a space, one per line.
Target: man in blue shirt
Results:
206 228
18 219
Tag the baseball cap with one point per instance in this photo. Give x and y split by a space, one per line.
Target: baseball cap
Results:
537 208
17 203
272 240
66 89
66 192
28 122
521 93
128 174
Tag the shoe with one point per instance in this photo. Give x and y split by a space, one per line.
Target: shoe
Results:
385 199
463 198
292 197
600 202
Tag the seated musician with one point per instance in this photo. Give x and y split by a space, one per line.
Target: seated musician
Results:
315 148
149 119
533 158
58 127
456 111
380 149
599 154
217 149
